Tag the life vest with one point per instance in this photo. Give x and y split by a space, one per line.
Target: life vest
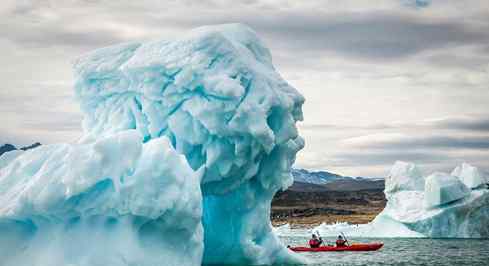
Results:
314 243
340 242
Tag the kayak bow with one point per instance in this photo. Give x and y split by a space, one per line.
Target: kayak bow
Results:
352 247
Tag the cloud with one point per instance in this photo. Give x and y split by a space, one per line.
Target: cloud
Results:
397 141
372 70
464 124
388 158
69 122
479 124
372 35
368 34
416 3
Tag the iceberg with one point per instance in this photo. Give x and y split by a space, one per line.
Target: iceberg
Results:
381 228
185 143
444 208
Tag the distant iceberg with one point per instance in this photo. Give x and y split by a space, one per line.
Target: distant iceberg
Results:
185 143
381 228
445 207
441 205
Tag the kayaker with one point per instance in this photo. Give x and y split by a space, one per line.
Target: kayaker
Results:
315 242
340 242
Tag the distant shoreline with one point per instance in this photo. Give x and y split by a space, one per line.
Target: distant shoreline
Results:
305 209
313 221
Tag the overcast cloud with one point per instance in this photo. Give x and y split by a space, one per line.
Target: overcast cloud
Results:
383 80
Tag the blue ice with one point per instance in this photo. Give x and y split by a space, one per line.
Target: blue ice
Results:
185 143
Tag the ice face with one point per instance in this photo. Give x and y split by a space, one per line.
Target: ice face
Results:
442 188
470 176
222 117
404 176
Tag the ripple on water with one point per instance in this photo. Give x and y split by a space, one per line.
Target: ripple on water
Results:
407 251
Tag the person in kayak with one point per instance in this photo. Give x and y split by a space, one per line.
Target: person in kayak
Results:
315 242
340 242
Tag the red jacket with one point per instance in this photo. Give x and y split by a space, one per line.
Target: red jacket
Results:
315 243
340 242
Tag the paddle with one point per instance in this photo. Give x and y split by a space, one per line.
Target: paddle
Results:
319 236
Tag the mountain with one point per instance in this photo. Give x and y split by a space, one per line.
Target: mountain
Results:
320 181
323 177
9 147
306 187
318 178
6 148
32 146
356 184
321 196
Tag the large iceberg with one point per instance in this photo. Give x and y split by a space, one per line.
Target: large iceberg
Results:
446 207
185 143
442 207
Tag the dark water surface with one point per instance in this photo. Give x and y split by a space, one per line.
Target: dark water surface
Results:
414 251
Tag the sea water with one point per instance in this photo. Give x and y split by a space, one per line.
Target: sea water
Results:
403 251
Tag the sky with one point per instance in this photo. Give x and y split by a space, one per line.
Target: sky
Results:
383 80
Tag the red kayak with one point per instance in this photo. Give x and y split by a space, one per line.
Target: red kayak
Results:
352 247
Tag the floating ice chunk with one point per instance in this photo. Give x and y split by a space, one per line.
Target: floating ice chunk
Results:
404 176
380 227
470 175
442 188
